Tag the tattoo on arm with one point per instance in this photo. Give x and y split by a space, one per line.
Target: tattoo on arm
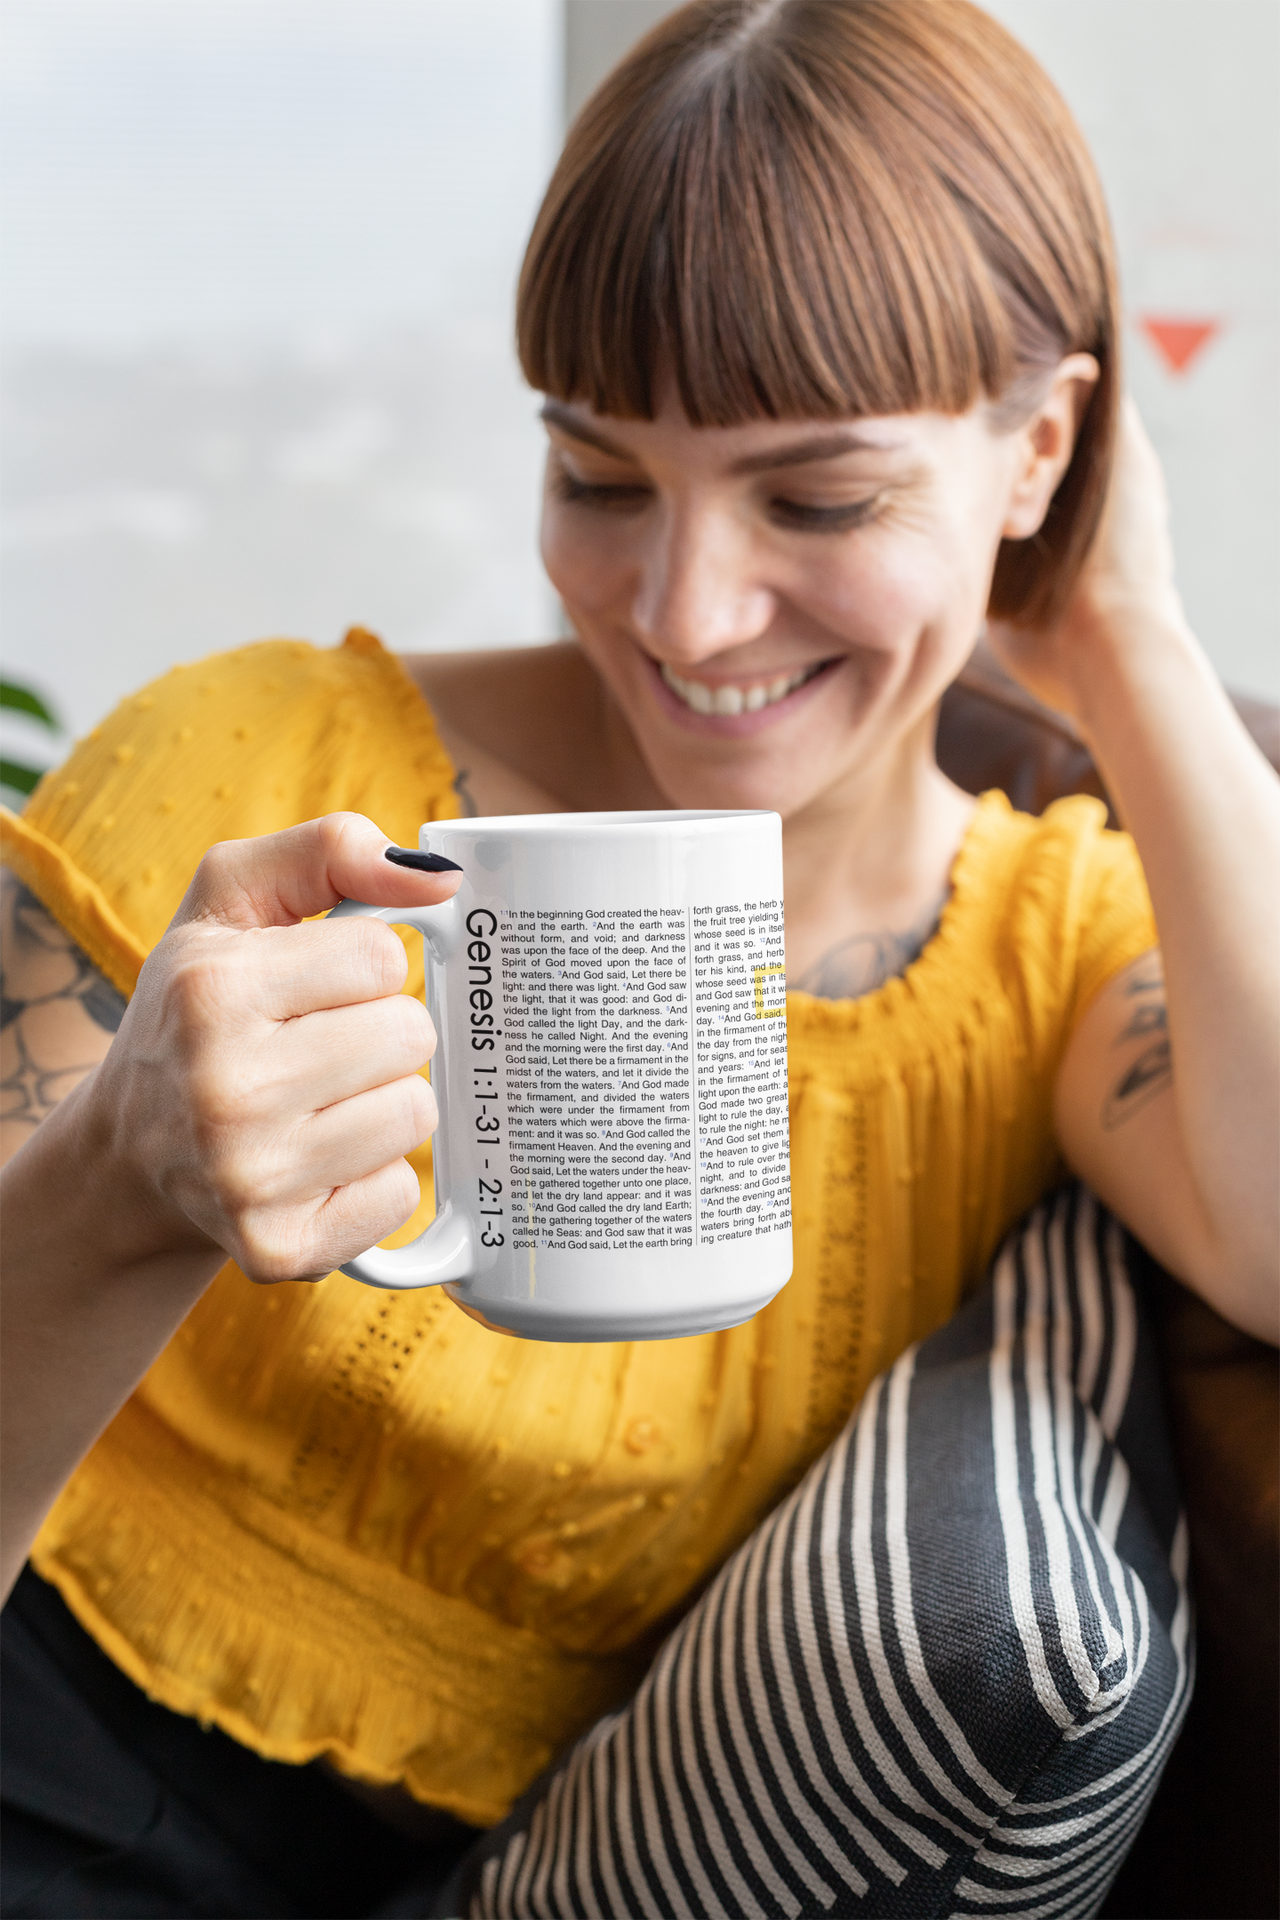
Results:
57 1012
865 961
1151 1018
1151 1071
470 811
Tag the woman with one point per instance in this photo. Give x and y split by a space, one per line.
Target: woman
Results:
821 300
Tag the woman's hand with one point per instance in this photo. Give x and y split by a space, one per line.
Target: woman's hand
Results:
1125 591
264 1086
257 1100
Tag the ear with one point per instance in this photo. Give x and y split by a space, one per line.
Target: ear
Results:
1044 444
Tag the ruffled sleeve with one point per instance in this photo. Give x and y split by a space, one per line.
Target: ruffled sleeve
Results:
244 743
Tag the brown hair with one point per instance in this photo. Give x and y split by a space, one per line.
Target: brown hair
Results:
813 208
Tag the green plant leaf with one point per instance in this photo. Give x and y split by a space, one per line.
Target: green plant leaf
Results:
22 700
21 779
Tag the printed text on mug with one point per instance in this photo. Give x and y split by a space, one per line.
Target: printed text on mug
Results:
624 1075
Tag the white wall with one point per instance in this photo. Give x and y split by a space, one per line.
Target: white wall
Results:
258 374
1178 98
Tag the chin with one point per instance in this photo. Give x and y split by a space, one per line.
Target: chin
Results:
687 782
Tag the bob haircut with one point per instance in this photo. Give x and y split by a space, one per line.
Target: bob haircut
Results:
828 208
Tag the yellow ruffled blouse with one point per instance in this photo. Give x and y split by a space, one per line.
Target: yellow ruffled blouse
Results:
353 1523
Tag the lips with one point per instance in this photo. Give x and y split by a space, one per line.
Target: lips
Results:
731 698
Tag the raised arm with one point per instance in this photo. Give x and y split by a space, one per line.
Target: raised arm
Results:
1168 1100
257 1100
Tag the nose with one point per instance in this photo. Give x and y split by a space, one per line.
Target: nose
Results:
699 590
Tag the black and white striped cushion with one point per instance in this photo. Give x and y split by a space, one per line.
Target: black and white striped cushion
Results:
942 1678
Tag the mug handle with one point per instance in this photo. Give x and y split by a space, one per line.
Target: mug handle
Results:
447 1250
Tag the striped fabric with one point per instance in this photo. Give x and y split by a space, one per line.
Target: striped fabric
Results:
942 1678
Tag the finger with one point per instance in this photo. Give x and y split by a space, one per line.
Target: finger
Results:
292 1168
223 977
278 973
350 1140
288 1244
355 1217
337 1053
282 878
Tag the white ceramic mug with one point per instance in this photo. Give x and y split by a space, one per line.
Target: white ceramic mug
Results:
612 1156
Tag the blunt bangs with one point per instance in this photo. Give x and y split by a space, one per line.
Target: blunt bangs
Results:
809 209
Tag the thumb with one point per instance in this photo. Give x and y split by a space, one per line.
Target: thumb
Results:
282 878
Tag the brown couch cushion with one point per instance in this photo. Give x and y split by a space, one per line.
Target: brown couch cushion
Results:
993 734
1209 1847
1211 1841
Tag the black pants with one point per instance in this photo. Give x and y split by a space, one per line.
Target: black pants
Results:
115 1806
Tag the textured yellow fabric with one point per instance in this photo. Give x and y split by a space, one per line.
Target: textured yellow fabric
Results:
339 1521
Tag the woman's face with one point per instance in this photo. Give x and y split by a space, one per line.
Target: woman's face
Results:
776 607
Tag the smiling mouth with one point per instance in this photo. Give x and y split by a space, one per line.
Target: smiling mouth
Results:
732 698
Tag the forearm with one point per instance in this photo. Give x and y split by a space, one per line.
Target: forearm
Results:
95 1281
1204 809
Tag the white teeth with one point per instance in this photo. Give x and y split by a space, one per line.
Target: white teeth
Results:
731 699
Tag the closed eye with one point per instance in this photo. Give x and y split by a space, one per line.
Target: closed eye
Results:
614 498
810 519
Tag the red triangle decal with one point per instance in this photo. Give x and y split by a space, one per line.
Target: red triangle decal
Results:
1178 342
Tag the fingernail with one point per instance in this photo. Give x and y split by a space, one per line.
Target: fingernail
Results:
424 862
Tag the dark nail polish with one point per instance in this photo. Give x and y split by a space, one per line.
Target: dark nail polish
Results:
424 862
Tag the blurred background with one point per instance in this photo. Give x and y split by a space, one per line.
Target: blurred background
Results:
255 319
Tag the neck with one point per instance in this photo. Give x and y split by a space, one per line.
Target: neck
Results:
868 866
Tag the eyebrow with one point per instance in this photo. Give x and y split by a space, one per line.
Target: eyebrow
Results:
821 446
